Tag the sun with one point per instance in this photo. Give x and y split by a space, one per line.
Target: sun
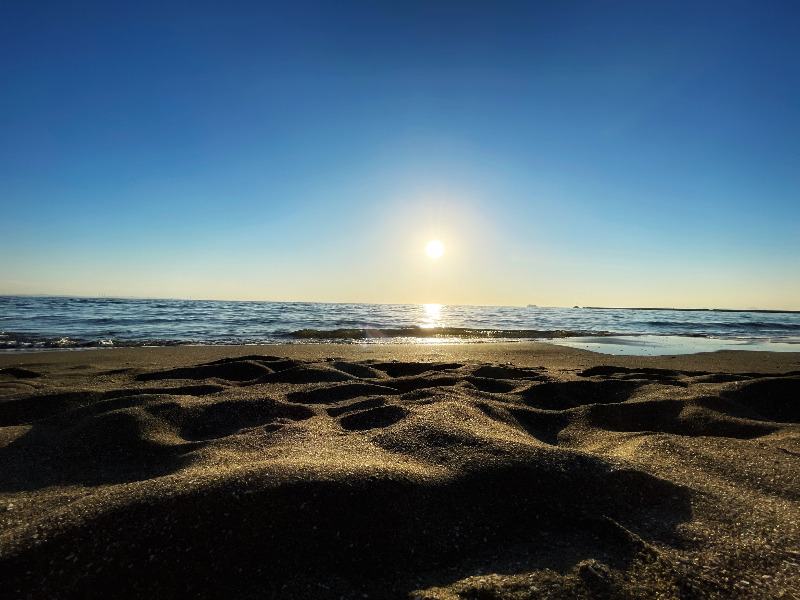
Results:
434 249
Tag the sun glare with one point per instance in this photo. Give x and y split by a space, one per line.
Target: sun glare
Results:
433 316
434 249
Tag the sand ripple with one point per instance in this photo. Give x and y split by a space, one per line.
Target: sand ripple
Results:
276 478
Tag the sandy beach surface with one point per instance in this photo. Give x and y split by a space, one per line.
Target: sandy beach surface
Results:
425 471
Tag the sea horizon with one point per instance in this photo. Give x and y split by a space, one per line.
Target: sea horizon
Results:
530 305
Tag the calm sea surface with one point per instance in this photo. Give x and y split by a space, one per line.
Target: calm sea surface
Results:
29 322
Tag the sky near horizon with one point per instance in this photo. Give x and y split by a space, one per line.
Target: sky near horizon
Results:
609 153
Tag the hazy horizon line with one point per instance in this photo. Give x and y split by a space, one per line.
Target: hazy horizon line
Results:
112 297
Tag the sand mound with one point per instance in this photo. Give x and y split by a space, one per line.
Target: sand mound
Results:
18 373
279 478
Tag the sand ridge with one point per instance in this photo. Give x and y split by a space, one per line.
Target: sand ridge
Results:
334 475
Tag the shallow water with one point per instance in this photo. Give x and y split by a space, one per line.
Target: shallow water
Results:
31 322
660 345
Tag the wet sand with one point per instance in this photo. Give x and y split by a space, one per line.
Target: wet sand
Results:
518 471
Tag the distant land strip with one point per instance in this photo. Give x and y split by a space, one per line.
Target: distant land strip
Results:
731 310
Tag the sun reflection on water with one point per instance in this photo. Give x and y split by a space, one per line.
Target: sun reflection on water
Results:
432 317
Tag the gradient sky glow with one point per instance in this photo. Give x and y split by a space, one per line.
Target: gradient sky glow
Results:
595 153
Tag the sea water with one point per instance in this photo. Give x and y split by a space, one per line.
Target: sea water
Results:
39 322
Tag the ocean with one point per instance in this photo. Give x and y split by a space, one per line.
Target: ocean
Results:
30 323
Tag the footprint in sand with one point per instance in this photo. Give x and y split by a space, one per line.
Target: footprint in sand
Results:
373 418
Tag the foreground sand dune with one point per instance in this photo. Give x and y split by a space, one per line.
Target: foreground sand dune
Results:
460 472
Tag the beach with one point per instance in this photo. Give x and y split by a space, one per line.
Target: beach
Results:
431 471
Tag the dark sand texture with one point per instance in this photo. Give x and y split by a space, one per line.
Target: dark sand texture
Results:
518 471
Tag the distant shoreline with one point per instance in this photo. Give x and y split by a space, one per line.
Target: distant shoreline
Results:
726 310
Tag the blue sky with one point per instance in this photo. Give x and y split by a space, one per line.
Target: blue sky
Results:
592 153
